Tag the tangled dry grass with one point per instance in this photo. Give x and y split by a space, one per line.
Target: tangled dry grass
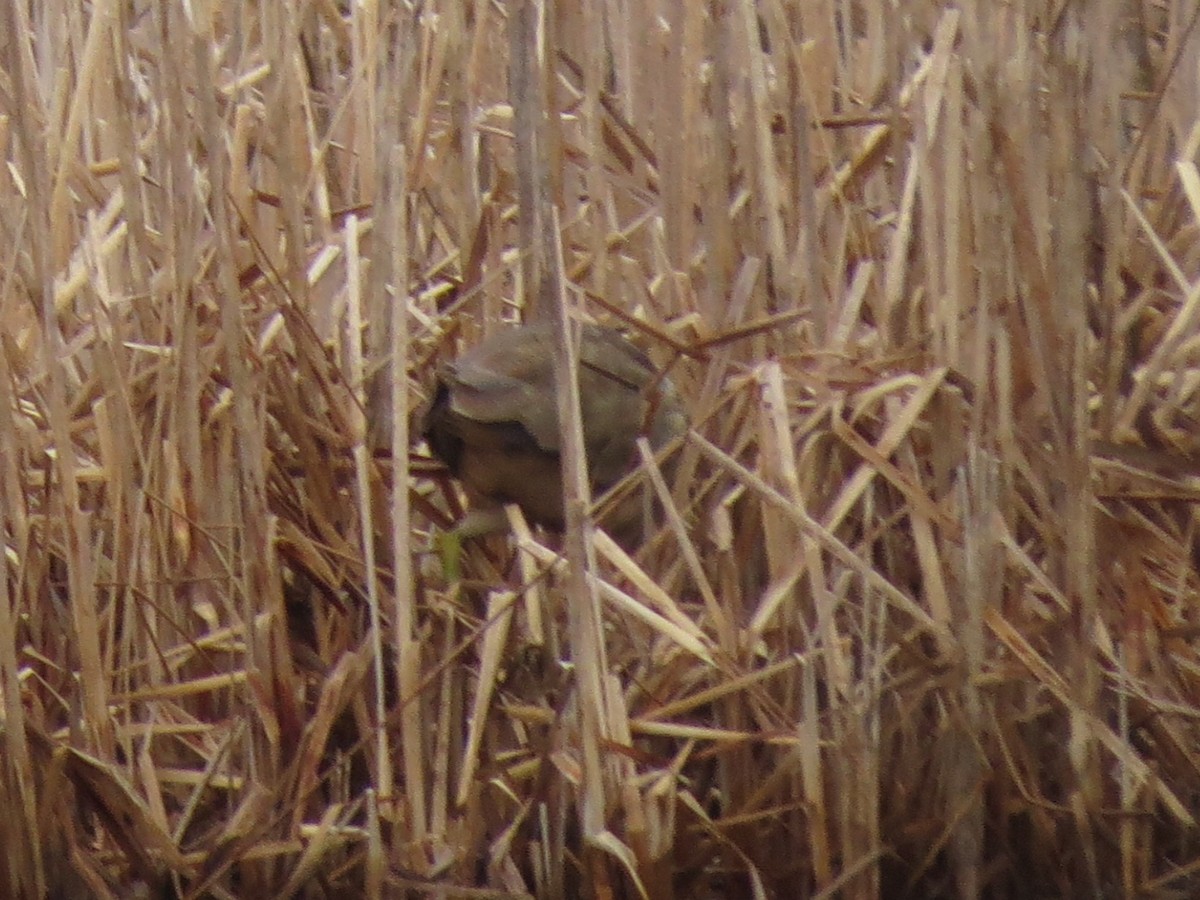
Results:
921 620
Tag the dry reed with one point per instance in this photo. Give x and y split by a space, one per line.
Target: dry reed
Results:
919 620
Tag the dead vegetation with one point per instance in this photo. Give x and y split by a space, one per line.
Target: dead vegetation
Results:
921 620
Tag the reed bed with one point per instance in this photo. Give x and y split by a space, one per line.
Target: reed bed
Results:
921 616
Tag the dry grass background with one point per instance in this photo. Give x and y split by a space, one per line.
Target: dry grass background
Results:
925 623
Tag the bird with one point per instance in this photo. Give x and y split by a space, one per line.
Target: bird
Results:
493 420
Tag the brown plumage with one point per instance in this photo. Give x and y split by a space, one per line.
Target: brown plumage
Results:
493 418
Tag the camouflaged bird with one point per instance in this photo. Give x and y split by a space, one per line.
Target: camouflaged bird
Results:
493 420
